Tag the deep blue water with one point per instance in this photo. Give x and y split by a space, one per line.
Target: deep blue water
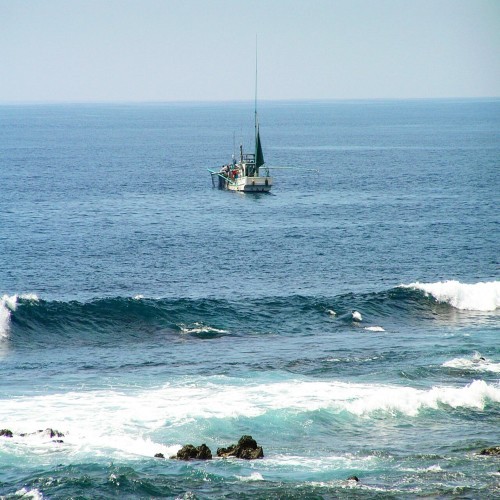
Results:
348 321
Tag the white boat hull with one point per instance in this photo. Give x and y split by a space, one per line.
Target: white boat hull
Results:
251 184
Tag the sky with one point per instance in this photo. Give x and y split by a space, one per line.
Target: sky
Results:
204 50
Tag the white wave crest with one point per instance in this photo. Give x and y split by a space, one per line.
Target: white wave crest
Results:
475 363
470 297
200 328
356 316
254 476
33 494
8 303
374 329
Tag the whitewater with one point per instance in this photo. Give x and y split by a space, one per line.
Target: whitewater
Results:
348 322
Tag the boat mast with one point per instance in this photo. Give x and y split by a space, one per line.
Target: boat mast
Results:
256 168
255 106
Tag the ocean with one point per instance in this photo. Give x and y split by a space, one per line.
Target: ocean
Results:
348 321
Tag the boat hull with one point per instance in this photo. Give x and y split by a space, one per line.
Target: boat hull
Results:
251 184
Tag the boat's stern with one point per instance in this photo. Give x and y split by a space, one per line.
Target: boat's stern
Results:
252 184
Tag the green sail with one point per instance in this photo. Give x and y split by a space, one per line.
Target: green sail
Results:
259 155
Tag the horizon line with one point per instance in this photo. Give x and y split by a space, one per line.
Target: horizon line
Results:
238 101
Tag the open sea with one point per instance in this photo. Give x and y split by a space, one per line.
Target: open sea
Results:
348 320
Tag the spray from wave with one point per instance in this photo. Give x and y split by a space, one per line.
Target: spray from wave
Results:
476 363
469 297
8 304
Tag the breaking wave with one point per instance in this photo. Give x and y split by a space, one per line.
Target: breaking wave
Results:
28 317
8 304
217 398
476 363
470 297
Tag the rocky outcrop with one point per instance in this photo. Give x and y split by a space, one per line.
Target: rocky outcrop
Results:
52 433
246 448
493 451
353 478
159 455
49 432
189 452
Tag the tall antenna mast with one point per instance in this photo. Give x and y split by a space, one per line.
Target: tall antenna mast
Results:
255 87
255 107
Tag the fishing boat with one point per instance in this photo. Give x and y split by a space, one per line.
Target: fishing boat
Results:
245 175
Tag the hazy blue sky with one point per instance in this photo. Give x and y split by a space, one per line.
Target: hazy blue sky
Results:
169 50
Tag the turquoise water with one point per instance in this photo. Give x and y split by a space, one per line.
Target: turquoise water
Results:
348 321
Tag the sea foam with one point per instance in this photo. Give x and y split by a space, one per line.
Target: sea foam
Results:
476 363
125 421
200 328
33 494
374 329
482 296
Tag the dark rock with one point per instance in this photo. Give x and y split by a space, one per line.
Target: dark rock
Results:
6 433
247 442
246 448
159 455
493 451
204 452
189 452
57 441
353 478
52 433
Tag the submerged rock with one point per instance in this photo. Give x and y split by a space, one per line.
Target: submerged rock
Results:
6 433
246 448
189 452
493 450
353 478
159 455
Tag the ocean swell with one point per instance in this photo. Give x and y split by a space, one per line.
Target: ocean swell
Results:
29 319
